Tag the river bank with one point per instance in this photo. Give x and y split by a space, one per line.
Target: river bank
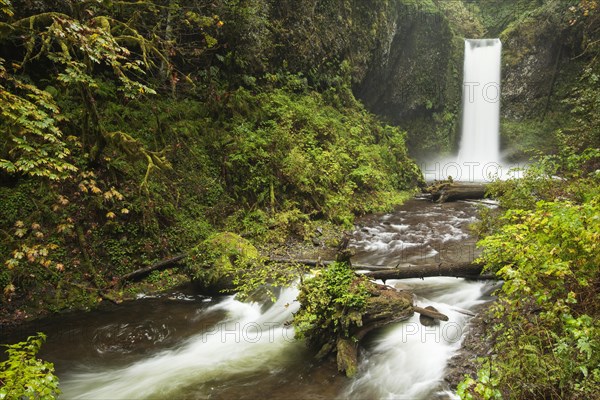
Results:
474 345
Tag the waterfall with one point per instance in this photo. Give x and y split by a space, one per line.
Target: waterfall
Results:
480 140
478 156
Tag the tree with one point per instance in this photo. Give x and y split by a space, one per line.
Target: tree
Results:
81 49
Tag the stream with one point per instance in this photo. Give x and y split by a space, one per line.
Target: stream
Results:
183 345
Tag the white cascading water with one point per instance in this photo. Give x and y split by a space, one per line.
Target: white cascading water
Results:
251 352
479 157
248 340
408 362
480 140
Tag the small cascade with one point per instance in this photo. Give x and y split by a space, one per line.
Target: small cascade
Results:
249 339
408 361
193 347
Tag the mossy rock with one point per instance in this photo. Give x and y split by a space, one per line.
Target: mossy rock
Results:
214 262
339 308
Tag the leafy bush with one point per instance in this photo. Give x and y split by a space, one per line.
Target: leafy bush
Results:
546 334
298 148
23 376
331 303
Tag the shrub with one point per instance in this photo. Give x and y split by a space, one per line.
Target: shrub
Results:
25 376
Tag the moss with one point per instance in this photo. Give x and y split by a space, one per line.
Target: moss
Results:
214 262
338 308
347 357
497 16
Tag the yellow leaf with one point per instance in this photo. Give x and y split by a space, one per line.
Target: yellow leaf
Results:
9 290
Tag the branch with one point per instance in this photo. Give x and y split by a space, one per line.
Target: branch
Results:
139 273
458 270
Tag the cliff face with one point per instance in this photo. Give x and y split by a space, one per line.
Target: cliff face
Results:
409 65
414 75
406 57
536 50
544 64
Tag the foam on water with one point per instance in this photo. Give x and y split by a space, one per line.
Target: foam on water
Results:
248 339
409 360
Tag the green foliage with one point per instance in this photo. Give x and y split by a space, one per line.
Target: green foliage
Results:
230 262
497 15
484 387
23 376
570 174
546 248
298 148
76 48
332 302
6 7
33 144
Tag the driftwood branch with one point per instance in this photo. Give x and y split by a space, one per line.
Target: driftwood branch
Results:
139 273
430 312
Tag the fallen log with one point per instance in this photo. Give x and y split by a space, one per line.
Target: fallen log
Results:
140 273
466 270
460 270
324 263
452 191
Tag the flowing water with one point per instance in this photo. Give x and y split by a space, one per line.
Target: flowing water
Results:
182 345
